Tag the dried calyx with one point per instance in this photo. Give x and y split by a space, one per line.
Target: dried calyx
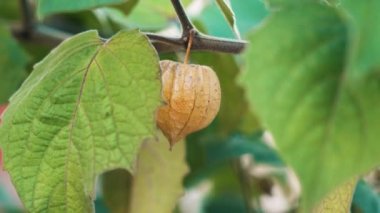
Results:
192 99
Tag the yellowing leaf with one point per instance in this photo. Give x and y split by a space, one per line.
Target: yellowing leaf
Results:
157 184
338 201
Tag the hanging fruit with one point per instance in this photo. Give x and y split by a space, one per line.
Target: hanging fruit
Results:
192 99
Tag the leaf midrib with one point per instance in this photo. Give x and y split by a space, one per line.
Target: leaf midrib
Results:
74 118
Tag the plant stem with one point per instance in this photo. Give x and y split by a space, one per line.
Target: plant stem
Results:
27 18
203 42
35 33
186 24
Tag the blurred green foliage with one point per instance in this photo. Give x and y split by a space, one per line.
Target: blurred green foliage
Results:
211 154
366 199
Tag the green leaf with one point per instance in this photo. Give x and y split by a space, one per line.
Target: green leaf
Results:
13 61
217 152
226 192
339 200
152 14
300 88
85 109
237 145
48 7
226 8
114 15
283 4
327 105
225 203
249 14
157 184
9 10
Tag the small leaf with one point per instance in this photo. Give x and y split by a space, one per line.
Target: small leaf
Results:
13 61
157 184
85 109
339 200
48 7
226 8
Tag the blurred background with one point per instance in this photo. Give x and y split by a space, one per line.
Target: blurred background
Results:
233 164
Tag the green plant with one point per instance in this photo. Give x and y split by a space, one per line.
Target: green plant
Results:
88 109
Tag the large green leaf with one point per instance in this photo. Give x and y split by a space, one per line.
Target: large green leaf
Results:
157 183
13 61
324 118
85 109
48 7
226 8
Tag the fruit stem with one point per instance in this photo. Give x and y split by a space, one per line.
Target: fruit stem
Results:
189 44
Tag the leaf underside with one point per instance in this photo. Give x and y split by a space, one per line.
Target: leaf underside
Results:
85 109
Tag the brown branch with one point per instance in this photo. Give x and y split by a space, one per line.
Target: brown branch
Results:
200 43
31 32
40 35
27 15
186 24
